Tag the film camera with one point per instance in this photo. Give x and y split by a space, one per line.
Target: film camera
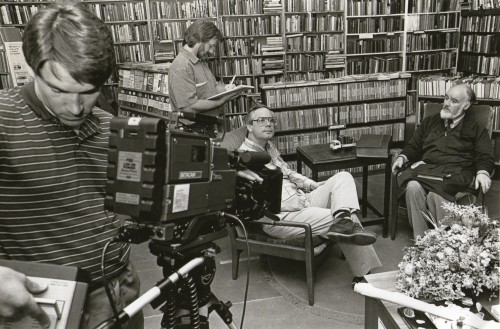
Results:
178 188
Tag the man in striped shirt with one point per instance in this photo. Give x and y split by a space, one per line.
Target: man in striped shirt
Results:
53 160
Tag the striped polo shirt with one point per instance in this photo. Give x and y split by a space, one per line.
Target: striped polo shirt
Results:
52 187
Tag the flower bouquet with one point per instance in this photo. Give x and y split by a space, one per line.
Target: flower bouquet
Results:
460 255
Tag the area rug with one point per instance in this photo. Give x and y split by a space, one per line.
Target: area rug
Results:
334 297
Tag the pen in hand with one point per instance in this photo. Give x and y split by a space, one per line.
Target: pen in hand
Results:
232 80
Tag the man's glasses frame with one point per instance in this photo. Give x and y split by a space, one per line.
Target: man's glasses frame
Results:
264 121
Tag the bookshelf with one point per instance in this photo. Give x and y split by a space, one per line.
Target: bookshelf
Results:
143 90
375 36
329 108
432 37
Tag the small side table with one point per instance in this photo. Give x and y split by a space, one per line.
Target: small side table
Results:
320 158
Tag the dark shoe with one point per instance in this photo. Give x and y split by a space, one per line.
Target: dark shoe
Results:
358 279
346 231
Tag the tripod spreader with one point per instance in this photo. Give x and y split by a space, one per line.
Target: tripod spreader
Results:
150 295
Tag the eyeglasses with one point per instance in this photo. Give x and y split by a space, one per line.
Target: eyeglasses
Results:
266 121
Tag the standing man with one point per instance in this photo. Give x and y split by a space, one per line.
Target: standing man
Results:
53 162
450 146
329 206
190 81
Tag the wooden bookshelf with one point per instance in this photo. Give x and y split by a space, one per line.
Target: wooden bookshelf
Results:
329 108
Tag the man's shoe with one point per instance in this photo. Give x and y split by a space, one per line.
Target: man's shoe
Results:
346 231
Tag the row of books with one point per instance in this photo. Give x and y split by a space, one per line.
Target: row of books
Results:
287 144
311 76
18 14
334 60
478 43
378 44
272 6
313 5
156 82
431 61
375 7
143 101
432 21
169 30
133 53
379 64
484 4
5 82
486 23
433 6
339 115
248 26
375 24
322 42
496 118
183 9
123 11
313 23
345 89
428 41
480 64
129 33
4 65
484 86
241 7
236 47
312 62
135 113
371 112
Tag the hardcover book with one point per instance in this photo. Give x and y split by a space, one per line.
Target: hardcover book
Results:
373 146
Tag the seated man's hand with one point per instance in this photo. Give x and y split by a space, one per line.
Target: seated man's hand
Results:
398 164
16 299
315 185
250 175
483 181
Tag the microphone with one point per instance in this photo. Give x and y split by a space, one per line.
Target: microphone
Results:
201 118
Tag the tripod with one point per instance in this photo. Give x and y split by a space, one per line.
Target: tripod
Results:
183 304
189 270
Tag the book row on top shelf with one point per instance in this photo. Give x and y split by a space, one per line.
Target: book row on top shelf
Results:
485 87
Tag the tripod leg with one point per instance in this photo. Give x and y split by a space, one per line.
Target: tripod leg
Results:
222 309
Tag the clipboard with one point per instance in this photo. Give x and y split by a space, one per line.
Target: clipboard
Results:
237 89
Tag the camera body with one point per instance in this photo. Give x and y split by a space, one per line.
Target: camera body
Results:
173 184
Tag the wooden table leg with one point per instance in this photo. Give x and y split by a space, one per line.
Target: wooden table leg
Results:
387 197
364 192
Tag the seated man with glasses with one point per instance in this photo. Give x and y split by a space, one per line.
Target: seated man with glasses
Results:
329 206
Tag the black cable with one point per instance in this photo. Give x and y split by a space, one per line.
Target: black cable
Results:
106 284
248 265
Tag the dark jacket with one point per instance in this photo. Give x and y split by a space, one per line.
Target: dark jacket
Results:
455 157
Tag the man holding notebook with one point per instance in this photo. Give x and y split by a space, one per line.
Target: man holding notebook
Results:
449 151
190 81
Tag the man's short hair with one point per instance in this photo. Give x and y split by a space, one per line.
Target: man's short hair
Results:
201 30
73 37
249 115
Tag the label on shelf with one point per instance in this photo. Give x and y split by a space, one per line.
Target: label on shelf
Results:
366 35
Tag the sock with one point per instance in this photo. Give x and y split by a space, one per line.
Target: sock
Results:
341 213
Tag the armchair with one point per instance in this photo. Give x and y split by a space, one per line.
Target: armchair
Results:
308 248
484 115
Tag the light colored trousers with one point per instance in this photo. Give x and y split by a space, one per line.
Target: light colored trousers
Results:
418 200
338 192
